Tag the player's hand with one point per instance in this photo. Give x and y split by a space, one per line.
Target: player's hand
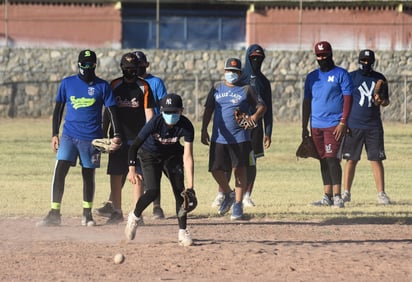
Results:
132 176
267 141
55 143
340 131
205 138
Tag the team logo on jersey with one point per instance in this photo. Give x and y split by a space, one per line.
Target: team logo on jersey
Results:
331 78
81 102
134 103
234 97
366 93
165 141
90 91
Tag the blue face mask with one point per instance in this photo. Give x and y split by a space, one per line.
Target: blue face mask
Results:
171 119
231 77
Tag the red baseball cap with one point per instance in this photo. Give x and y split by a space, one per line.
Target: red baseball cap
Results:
323 48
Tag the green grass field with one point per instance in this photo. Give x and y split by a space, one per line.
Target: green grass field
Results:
284 187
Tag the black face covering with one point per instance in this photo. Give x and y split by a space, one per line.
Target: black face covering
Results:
87 75
141 71
366 69
130 73
326 64
256 63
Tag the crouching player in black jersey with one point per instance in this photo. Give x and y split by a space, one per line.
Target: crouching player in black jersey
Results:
158 148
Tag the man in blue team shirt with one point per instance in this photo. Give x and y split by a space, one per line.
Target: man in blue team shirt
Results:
326 102
230 145
83 95
366 127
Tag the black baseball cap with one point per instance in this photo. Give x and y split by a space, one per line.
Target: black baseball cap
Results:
367 55
233 64
171 103
129 61
87 56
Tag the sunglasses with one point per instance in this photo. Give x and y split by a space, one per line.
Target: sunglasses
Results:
87 65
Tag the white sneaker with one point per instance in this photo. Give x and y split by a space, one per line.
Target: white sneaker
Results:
184 238
218 200
87 220
131 225
247 201
346 197
338 202
383 199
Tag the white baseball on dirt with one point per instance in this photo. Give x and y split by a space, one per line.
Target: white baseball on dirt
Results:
119 258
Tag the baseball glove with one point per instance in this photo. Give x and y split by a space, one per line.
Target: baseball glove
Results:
189 202
307 149
380 93
106 145
244 120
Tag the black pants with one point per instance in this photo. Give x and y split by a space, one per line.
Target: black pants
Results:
153 165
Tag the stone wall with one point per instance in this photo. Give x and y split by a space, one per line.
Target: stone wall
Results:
30 77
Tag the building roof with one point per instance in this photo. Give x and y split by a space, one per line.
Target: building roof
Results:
245 2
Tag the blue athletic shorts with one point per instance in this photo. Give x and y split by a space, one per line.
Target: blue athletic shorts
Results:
71 148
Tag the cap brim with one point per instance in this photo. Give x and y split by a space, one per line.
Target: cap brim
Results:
170 109
231 68
323 53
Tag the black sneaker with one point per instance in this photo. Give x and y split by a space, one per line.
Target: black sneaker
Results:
115 218
106 210
87 219
53 218
158 213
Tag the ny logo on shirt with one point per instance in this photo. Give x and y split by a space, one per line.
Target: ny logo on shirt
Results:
366 93
331 78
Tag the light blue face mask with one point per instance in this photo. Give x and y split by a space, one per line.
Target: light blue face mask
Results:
171 119
231 77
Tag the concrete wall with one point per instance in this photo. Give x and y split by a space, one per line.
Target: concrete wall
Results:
29 77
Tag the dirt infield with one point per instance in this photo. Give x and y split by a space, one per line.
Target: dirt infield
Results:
256 250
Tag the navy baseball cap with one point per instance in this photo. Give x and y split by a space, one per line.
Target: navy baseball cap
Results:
141 57
323 48
171 103
367 55
233 64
